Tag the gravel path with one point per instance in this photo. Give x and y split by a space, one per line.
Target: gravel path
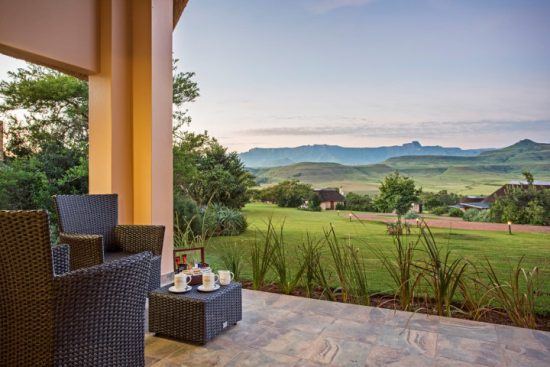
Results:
458 223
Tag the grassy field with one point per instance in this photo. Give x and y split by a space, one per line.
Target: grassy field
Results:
499 247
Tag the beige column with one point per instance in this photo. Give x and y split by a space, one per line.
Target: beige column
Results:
131 113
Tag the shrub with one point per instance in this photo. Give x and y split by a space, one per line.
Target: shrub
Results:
440 210
473 215
314 203
411 215
223 221
341 206
455 212
439 199
363 203
523 206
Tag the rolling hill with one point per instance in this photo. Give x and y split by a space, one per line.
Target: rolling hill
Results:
273 157
480 174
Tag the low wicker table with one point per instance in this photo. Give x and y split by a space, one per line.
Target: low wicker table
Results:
194 316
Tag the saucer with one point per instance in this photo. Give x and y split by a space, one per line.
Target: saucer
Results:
174 290
201 288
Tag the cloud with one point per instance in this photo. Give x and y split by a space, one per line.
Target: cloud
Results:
428 129
325 6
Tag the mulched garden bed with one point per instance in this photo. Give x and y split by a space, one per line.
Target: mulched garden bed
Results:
388 301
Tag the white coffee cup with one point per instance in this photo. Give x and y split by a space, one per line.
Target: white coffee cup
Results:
209 280
181 281
226 277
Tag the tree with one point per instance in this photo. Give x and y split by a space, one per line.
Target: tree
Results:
432 200
314 202
50 137
205 171
358 202
528 177
523 205
291 193
397 193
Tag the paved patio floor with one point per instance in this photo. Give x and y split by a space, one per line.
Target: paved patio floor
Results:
279 330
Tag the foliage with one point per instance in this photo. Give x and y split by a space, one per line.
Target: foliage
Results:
523 205
206 172
440 210
397 193
310 252
193 226
455 212
184 91
474 215
518 295
232 259
398 228
411 215
349 268
288 279
46 117
400 266
440 199
220 220
442 274
358 202
261 255
288 194
46 146
314 203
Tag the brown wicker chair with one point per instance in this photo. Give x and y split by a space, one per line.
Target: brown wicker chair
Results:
89 225
89 317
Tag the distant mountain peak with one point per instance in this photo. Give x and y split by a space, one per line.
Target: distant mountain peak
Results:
273 157
525 142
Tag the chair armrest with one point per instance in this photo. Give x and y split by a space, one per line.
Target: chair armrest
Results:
100 312
139 238
86 250
60 258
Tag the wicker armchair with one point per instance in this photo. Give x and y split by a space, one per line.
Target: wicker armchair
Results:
89 225
89 317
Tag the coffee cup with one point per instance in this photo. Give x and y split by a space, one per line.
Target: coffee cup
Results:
225 276
181 281
209 280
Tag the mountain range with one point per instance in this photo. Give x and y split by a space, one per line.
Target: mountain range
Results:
474 174
273 157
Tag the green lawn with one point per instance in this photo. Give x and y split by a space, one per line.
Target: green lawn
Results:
500 248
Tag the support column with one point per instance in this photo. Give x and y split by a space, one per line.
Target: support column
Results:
131 113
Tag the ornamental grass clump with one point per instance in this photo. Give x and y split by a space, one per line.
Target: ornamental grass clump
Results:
442 274
261 255
288 278
309 255
400 266
349 268
518 295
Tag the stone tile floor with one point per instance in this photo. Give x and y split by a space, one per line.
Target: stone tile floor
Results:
279 330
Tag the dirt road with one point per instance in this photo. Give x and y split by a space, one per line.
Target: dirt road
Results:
458 223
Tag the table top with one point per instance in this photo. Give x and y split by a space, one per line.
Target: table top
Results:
194 294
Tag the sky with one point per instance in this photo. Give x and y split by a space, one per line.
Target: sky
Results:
467 73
